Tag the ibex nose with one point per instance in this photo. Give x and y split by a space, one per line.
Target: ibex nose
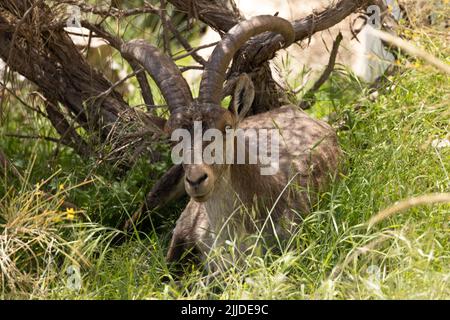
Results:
199 181
196 180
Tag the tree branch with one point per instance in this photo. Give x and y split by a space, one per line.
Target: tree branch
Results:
263 47
309 99
213 13
111 11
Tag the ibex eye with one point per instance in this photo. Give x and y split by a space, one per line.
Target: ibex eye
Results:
228 127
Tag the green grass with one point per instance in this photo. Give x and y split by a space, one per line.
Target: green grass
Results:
389 157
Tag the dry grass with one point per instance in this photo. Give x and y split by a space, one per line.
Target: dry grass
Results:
40 238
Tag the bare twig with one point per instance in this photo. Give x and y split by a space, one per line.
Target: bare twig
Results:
309 99
7 166
111 11
118 83
184 42
68 134
187 68
26 105
263 47
213 13
193 50
165 24
32 137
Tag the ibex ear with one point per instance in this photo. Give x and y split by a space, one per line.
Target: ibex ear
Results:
243 96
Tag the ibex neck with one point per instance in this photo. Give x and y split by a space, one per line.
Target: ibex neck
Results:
238 191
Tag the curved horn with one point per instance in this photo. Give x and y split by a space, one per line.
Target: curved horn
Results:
214 74
163 70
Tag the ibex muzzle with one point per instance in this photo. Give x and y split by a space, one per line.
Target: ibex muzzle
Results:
199 181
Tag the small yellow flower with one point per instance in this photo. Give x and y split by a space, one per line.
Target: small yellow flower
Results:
70 214
408 33
61 187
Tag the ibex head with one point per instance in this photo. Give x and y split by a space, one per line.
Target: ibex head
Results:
201 177
206 109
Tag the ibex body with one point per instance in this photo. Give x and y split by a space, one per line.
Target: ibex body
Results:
240 201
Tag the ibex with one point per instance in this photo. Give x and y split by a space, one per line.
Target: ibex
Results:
237 195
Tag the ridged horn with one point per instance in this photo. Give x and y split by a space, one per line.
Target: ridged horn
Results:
163 70
214 74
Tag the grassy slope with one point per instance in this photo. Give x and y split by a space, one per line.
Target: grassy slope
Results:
389 157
